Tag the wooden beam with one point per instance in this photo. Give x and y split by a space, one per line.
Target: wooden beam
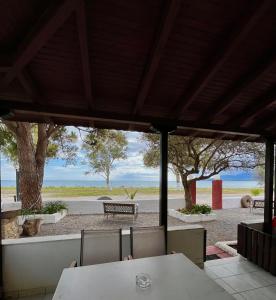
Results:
28 84
82 31
47 26
223 103
255 109
157 51
267 122
217 59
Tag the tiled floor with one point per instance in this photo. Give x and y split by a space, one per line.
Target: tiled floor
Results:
242 279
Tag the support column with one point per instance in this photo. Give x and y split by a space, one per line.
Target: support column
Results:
193 191
269 165
163 209
274 181
217 194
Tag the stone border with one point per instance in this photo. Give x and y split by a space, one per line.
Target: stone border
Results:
225 246
192 218
46 218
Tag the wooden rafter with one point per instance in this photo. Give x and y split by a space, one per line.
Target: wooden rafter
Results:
28 84
44 30
82 30
255 109
267 122
216 61
223 103
158 48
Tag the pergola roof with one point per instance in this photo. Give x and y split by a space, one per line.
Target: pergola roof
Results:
127 64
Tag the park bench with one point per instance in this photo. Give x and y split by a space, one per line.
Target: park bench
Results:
114 208
258 203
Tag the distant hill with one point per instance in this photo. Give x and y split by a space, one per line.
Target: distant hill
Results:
239 176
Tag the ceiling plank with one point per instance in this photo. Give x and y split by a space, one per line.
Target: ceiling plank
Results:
223 103
46 27
82 31
157 51
255 109
28 84
215 62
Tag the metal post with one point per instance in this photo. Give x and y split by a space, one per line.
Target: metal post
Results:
269 165
163 210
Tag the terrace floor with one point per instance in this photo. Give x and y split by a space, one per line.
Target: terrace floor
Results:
223 229
242 279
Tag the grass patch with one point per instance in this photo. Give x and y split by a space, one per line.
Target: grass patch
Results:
65 191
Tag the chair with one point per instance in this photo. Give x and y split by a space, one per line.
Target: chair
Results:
100 246
147 241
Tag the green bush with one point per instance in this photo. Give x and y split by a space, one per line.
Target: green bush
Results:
53 207
50 208
255 191
196 209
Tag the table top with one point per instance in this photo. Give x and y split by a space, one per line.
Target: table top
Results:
173 277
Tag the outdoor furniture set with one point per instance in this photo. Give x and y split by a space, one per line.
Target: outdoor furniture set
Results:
155 275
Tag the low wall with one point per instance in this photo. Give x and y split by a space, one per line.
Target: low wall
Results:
145 205
34 265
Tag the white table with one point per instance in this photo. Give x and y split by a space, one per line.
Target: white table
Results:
174 277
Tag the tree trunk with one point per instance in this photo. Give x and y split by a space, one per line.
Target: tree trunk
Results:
187 192
107 181
31 177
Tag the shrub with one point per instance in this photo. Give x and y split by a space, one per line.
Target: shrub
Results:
53 207
196 209
255 191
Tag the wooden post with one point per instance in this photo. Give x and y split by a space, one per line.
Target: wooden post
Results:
217 194
193 191
269 164
163 210
274 181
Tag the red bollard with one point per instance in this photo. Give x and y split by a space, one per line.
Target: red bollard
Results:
217 194
193 191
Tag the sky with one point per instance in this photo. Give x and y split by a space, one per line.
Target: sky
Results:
130 169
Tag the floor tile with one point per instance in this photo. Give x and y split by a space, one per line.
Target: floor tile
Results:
238 296
221 271
269 291
225 286
255 295
210 273
241 268
239 284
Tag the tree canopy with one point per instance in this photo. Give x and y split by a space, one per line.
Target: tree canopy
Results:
199 158
28 146
102 149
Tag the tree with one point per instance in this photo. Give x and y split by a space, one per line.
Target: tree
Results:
28 146
199 159
103 147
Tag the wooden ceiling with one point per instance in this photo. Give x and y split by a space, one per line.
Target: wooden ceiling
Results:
207 67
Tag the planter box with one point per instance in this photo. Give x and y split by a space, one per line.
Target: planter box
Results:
192 218
46 218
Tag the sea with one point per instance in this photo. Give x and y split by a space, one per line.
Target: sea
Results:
136 183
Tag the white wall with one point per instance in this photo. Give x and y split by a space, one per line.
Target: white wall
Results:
37 263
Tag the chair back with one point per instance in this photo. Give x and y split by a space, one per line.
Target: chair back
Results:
100 246
147 241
